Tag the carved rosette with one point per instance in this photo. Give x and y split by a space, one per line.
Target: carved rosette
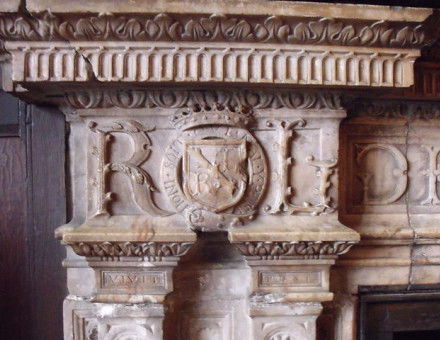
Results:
215 172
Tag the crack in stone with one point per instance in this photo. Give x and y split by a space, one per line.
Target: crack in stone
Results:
408 215
91 75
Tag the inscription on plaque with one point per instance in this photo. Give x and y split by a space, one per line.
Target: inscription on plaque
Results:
133 280
287 279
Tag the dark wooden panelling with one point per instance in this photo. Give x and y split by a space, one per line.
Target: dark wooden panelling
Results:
9 117
13 251
32 205
47 206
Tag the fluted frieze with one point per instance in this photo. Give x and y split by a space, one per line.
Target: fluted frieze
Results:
152 62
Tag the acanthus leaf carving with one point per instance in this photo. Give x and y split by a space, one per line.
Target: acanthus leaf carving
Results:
409 110
301 249
258 99
153 251
216 27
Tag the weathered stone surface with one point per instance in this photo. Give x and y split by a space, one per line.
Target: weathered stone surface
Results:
9 6
240 7
204 181
275 43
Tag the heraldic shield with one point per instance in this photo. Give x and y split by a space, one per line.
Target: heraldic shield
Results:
215 174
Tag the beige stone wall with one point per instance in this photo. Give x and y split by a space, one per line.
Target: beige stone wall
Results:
215 193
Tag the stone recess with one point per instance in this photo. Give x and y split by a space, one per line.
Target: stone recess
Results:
206 188
389 194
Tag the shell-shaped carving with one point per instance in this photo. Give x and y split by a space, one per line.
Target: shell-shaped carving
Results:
128 332
281 335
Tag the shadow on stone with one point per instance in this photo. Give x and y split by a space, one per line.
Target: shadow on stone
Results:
211 293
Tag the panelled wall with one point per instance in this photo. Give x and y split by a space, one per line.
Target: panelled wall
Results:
32 205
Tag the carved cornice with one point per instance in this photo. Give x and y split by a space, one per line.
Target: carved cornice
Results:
164 27
257 99
301 249
139 48
154 251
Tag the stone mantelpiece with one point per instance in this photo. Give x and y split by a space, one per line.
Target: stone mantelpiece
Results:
205 163
289 264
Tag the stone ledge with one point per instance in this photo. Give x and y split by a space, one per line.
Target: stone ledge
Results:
272 298
294 228
395 227
154 238
167 229
241 7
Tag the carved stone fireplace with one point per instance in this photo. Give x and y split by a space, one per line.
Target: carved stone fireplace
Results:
205 165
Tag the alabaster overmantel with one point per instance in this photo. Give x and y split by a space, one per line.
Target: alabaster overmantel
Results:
257 43
212 118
